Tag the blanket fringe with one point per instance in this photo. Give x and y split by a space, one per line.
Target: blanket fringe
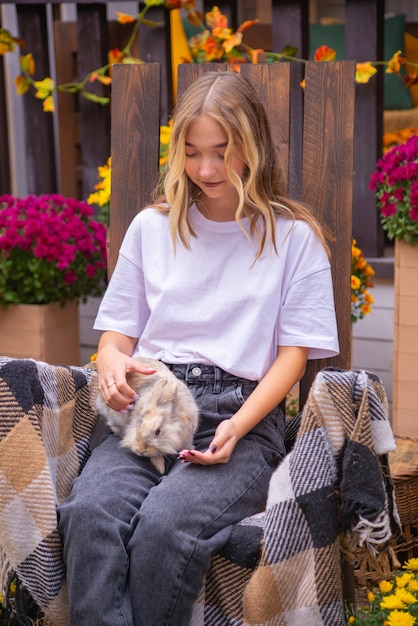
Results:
6 573
373 534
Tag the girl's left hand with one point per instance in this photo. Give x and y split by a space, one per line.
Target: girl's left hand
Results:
220 448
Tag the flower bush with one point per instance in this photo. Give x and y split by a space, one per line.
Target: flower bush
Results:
394 603
51 250
361 274
395 183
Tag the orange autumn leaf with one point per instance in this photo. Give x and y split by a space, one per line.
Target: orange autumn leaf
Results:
394 64
324 53
254 54
410 79
216 19
115 56
232 42
364 72
105 80
22 84
124 18
27 64
49 105
246 25
221 33
187 5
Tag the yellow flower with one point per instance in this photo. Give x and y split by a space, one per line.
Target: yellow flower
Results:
364 72
102 195
402 581
413 585
411 564
371 597
355 282
399 618
392 602
405 596
351 620
385 586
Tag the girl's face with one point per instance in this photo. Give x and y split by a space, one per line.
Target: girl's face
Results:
205 166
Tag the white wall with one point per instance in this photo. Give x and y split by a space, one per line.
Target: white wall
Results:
373 335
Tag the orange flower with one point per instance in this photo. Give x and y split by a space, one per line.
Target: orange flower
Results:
124 18
394 64
323 53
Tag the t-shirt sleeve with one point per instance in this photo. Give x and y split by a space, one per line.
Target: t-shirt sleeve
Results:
307 312
124 307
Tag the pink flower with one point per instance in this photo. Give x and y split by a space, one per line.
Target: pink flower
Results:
54 242
395 183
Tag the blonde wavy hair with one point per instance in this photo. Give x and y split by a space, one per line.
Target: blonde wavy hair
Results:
230 100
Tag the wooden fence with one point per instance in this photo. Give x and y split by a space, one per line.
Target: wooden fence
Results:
64 156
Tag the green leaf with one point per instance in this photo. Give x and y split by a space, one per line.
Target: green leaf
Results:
94 98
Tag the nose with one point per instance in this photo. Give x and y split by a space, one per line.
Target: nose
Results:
206 167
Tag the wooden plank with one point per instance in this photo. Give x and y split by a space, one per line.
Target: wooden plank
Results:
135 145
290 26
40 147
5 182
328 183
155 47
364 42
272 82
67 104
94 119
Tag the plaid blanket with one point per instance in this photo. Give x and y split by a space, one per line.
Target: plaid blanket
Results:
282 567
47 418
332 489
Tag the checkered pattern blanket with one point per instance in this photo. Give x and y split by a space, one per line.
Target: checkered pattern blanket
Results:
282 567
47 418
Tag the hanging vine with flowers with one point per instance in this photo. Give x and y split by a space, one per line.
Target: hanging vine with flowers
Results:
216 41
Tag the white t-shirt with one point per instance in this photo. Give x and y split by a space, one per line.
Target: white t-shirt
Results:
214 303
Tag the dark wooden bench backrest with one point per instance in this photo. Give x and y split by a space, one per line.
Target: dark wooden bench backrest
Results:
326 160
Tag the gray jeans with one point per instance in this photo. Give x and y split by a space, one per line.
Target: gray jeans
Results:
137 545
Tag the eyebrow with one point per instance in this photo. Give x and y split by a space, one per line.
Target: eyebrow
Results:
219 145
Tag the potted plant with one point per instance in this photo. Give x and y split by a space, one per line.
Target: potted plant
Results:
395 183
52 254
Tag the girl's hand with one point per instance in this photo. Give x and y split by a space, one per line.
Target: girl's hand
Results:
112 367
220 448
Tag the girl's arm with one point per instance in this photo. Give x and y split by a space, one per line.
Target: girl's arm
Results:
284 373
113 362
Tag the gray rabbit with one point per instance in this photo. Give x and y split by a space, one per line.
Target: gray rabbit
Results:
162 421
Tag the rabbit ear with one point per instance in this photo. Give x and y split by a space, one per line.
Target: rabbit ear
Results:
165 390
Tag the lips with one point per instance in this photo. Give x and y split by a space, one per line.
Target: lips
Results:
211 185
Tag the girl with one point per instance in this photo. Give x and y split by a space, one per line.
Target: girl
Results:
229 284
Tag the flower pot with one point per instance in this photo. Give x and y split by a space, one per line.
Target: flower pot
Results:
45 332
405 358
